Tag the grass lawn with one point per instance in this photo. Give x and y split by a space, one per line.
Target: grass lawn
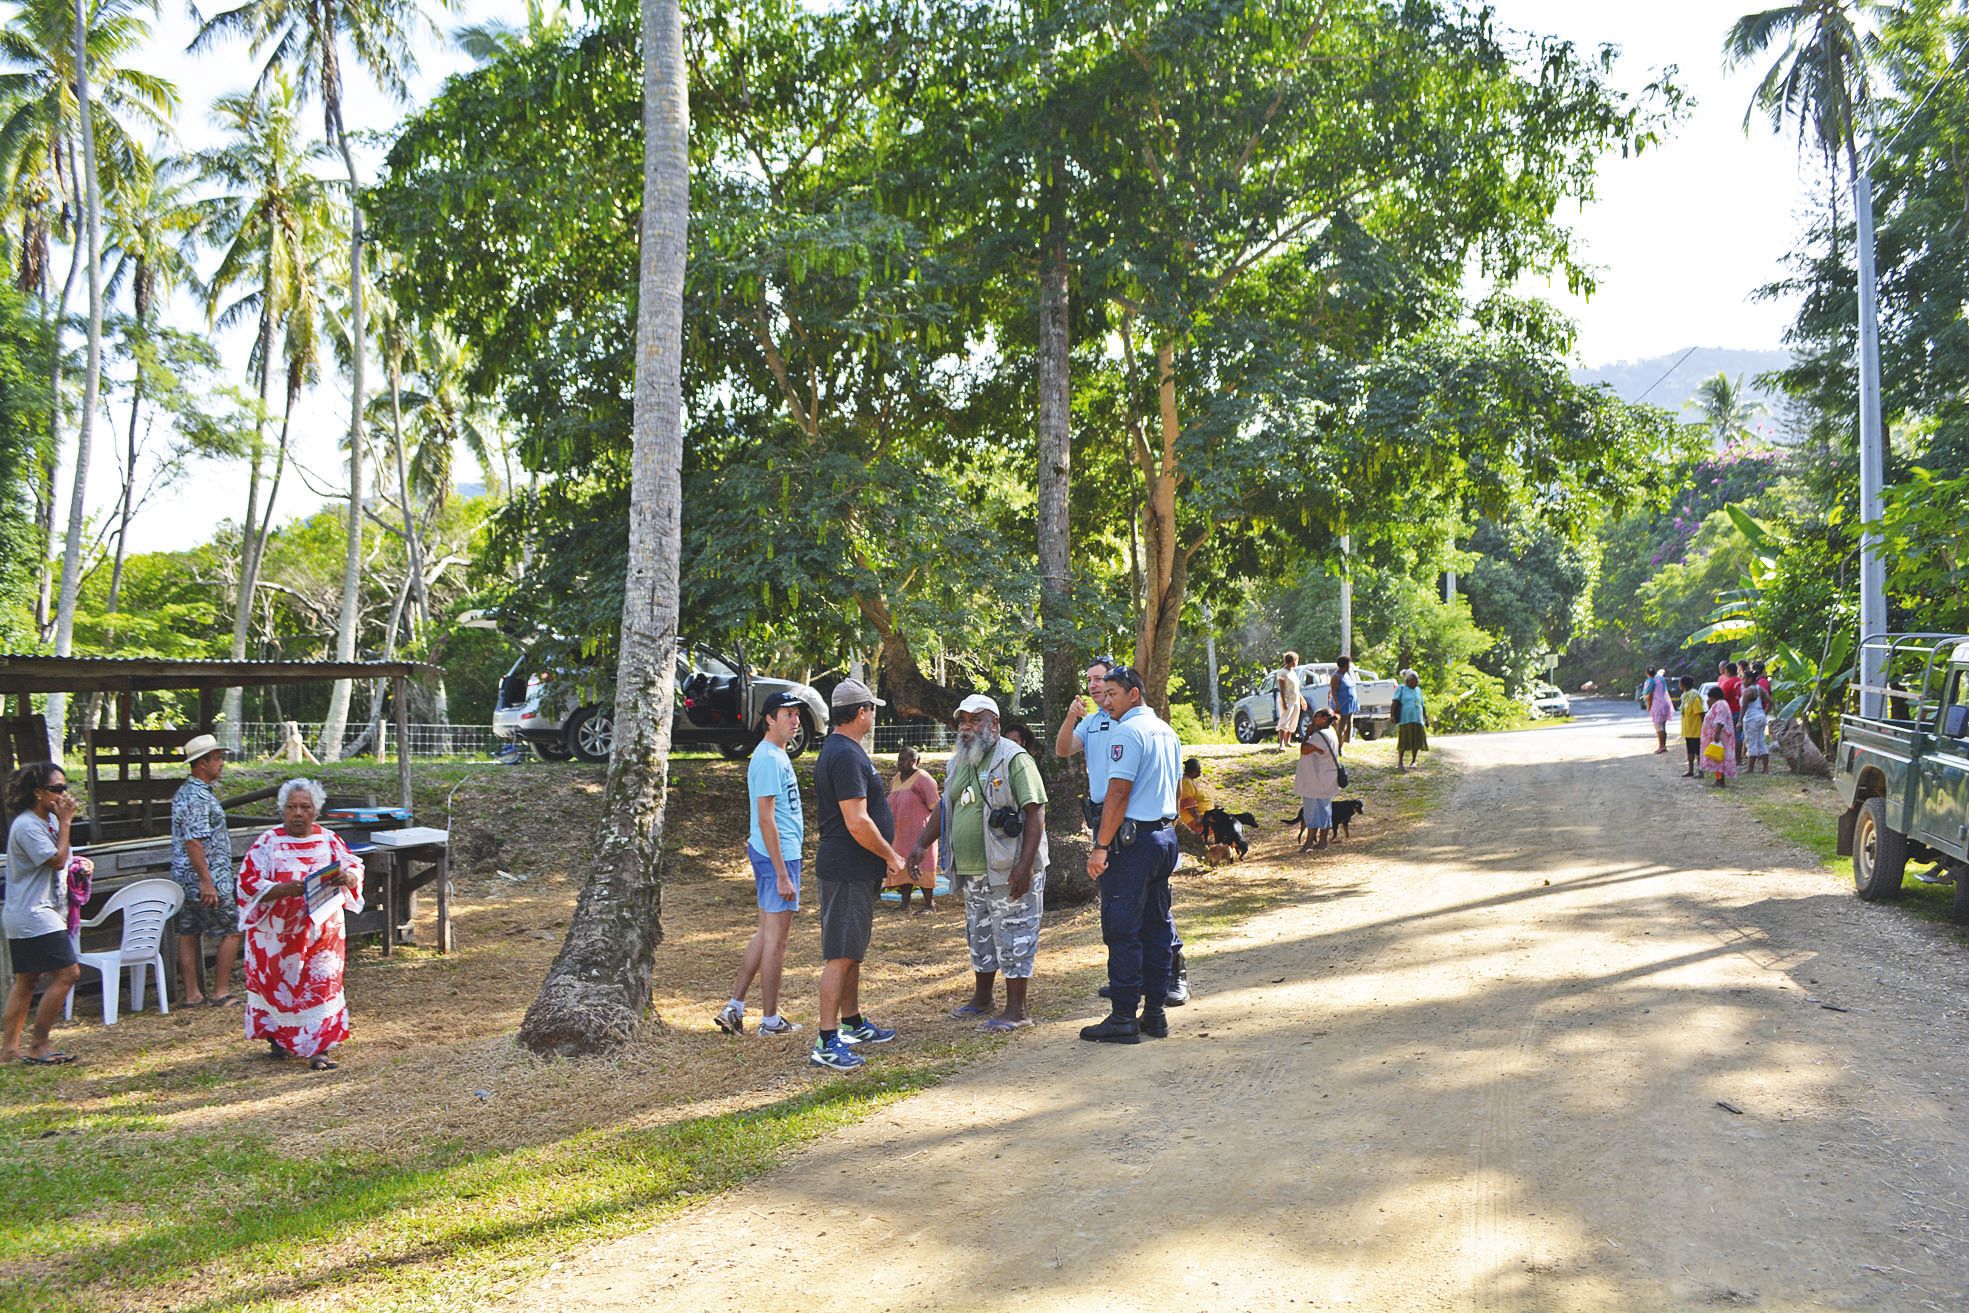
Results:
441 1166
1806 811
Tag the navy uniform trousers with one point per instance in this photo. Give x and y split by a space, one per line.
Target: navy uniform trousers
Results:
1136 923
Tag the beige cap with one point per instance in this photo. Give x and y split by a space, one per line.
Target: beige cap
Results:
853 693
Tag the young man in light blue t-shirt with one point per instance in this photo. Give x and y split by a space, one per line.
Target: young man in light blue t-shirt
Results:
778 829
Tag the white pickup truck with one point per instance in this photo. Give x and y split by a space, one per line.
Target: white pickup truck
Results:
1255 717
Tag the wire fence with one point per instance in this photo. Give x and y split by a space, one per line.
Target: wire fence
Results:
268 738
927 736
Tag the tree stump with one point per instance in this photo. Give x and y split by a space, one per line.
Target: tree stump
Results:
1801 755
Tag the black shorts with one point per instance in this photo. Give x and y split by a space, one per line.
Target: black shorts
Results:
39 954
847 918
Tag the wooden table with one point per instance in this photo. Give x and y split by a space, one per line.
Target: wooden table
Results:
405 869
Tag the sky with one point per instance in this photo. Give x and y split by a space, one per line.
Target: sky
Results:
1680 237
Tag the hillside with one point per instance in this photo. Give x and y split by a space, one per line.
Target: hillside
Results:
1670 380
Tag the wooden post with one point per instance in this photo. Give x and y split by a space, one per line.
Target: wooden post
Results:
400 713
444 898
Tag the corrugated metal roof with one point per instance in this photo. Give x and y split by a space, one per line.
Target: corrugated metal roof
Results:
28 673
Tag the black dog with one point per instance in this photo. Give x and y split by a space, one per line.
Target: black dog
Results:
1220 826
1345 812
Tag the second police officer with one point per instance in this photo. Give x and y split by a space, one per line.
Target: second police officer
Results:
1133 857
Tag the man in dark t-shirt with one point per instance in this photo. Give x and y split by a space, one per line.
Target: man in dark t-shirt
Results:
856 853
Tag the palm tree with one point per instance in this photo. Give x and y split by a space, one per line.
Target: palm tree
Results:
599 985
271 217
1727 409
547 21
1819 80
305 36
152 231
42 180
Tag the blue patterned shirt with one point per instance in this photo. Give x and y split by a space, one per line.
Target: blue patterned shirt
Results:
196 814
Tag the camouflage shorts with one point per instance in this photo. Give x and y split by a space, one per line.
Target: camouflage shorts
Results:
1004 931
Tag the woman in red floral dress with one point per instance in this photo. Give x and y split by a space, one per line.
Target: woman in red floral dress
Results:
294 957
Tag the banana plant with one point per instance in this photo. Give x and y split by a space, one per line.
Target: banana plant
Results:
1802 686
1735 618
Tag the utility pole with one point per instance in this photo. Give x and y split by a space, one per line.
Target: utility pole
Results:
1346 595
1873 455
1210 658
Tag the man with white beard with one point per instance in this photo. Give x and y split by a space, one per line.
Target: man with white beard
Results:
996 848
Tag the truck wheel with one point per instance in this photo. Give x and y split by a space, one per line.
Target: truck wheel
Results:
1368 731
1962 895
1879 854
590 733
1242 727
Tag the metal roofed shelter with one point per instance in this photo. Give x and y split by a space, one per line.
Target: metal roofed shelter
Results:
129 804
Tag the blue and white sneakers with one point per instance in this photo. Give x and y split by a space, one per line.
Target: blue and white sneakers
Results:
835 1055
866 1033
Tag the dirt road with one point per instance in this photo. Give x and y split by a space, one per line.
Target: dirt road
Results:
1482 1069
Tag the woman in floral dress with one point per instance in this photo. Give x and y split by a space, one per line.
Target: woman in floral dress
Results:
295 957
1719 730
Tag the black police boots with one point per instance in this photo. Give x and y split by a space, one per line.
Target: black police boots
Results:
1178 989
1119 1028
1154 1023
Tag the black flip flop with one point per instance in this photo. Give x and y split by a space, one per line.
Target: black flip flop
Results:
321 1062
50 1060
221 1000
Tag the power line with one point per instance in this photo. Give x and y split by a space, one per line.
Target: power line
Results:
1664 378
1953 67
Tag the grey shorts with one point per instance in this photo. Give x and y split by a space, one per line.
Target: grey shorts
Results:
847 918
195 918
1004 931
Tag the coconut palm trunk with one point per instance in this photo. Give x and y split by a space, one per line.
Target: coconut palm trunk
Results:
599 986
92 370
251 541
346 621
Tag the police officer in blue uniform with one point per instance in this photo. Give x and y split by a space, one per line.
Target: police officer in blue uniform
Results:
1088 728
1133 857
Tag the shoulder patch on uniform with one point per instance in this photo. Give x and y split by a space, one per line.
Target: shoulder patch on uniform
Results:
1115 752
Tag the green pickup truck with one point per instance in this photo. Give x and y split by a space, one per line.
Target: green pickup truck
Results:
1903 767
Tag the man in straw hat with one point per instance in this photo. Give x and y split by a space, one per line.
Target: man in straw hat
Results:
201 863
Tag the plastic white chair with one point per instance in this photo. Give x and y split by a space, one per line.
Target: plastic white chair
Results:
147 907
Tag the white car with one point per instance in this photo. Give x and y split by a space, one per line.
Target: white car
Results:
1255 718
1548 700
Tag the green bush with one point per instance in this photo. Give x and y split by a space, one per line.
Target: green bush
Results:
1468 701
1191 727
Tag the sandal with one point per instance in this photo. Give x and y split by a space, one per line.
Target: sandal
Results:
968 1011
321 1062
48 1060
221 1000
999 1025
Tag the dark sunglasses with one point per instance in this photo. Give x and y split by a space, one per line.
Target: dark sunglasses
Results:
1106 661
55 788
1126 676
